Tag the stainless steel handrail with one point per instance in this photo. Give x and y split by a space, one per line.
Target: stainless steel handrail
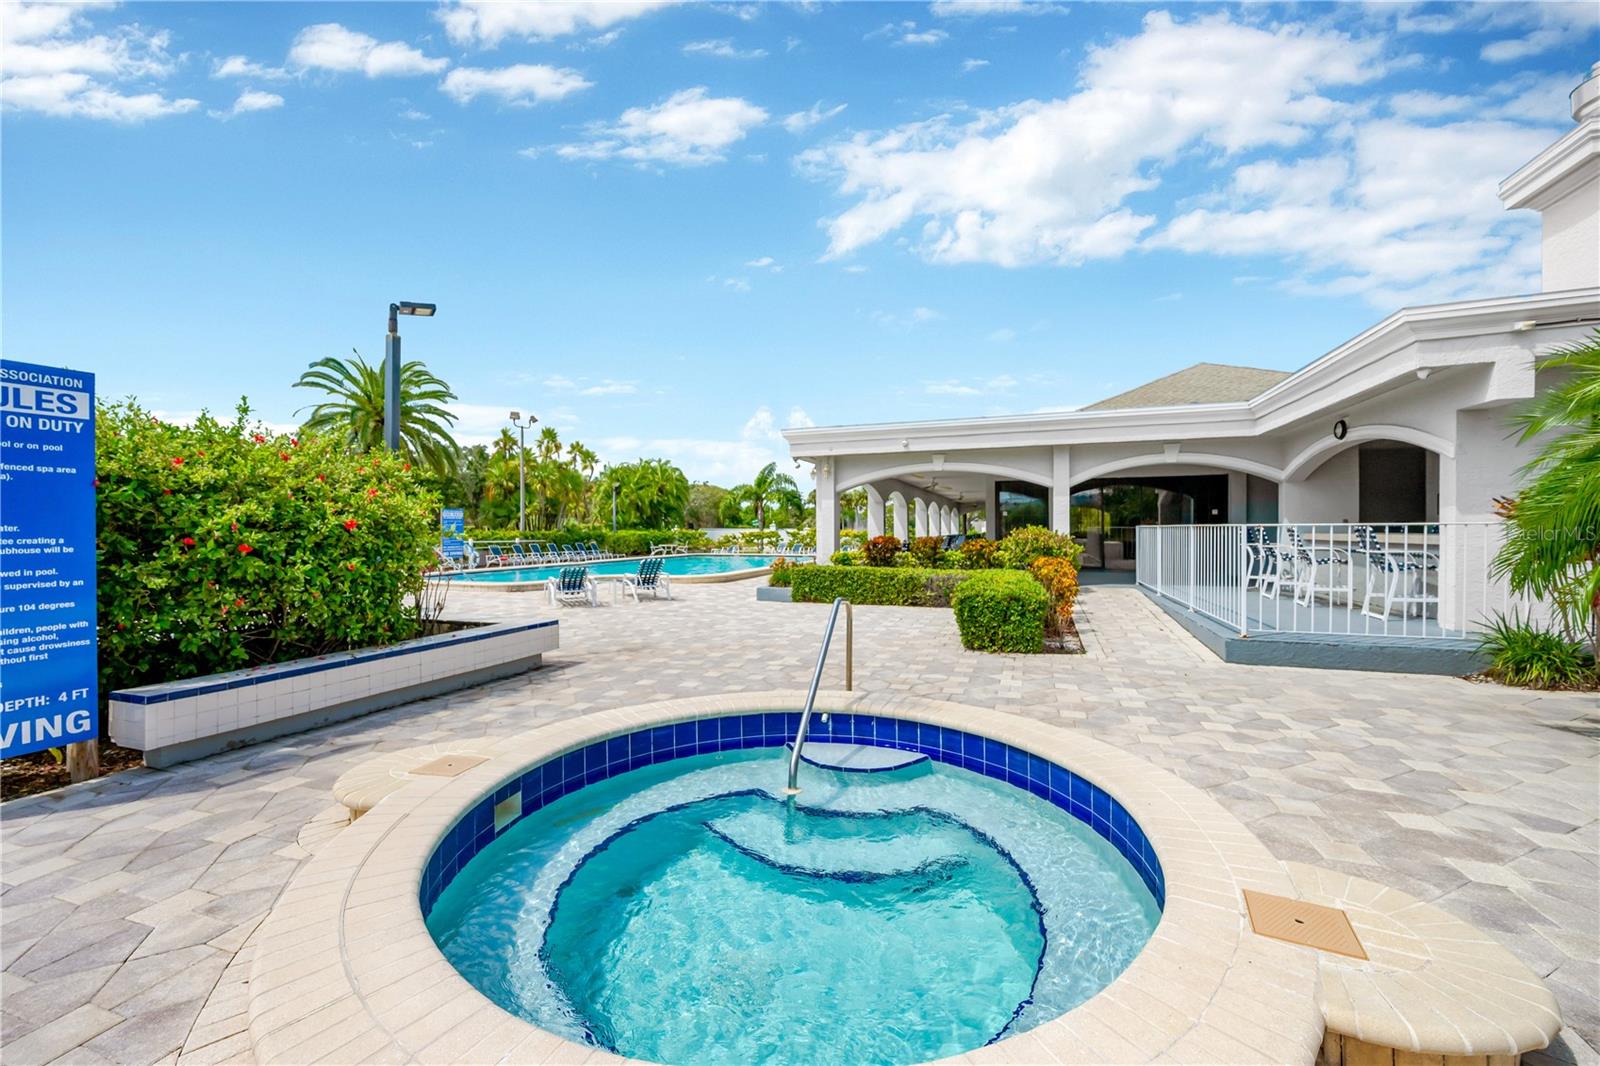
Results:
816 681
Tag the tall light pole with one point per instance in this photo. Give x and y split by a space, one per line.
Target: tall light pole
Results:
522 467
391 368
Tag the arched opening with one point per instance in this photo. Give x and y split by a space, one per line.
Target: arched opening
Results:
1378 481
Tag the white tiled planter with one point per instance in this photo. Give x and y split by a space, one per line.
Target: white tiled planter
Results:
184 720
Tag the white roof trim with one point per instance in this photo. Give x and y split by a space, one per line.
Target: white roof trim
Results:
1325 383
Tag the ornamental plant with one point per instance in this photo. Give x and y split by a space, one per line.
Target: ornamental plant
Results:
1001 610
223 545
881 551
977 553
1060 579
926 551
1019 549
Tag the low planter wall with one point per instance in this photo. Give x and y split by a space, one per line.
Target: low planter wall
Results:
183 720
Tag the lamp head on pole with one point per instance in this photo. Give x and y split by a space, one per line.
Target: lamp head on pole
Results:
407 307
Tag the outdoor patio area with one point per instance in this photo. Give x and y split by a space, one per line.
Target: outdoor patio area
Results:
130 903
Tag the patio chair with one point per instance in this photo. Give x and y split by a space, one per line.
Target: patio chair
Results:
650 578
1403 575
573 585
530 553
493 556
1305 559
451 557
1267 560
599 552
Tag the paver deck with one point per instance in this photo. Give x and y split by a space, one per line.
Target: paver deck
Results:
128 904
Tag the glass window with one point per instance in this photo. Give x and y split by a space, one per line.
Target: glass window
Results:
1022 504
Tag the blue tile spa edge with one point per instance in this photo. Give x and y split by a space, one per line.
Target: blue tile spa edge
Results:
564 774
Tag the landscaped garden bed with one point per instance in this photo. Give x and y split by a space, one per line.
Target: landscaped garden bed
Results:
1011 595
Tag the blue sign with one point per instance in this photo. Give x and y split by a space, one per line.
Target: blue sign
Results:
453 520
49 694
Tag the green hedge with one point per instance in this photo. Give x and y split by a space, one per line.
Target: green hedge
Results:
1001 610
622 541
893 586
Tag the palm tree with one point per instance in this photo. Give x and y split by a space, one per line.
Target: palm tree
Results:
768 491
354 409
1553 551
651 493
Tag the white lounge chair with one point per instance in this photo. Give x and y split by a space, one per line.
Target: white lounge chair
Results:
573 585
650 578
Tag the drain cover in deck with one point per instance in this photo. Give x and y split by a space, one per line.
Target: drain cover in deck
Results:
1299 922
449 765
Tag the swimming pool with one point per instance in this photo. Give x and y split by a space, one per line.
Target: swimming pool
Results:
673 565
895 916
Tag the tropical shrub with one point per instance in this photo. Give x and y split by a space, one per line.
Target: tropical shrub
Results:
1060 580
852 538
223 545
804 539
845 558
1553 548
976 553
1001 610
881 551
926 550
1521 654
1019 549
894 586
783 572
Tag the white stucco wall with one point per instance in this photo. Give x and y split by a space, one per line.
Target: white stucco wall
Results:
1571 240
1330 494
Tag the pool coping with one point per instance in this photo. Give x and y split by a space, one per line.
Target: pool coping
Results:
345 969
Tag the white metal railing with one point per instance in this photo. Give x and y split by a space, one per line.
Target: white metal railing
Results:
1423 580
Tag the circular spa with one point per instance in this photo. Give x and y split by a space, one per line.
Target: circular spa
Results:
657 893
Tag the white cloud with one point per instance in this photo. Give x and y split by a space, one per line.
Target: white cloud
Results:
765 262
923 37
959 387
1406 213
801 121
330 46
1050 181
411 114
244 67
722 48
740 285
1548 26
608 387
53 66
486 23
688 128
970 65
967 8
250 100
559 383
523 84
917 316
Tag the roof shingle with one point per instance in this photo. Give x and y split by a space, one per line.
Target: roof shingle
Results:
1201 383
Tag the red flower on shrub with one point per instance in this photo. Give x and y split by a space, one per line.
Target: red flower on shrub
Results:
234 527
245 549
258 438
351 525
406 466
177 460
166 492
238 603
284 456
320 477
201 454
294 442
187 542
349 566
372 492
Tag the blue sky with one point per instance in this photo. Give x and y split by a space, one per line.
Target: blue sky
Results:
675 229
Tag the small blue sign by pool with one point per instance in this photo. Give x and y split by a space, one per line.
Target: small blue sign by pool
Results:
48 645
453 520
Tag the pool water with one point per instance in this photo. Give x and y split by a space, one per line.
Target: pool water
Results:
673 565
687 913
